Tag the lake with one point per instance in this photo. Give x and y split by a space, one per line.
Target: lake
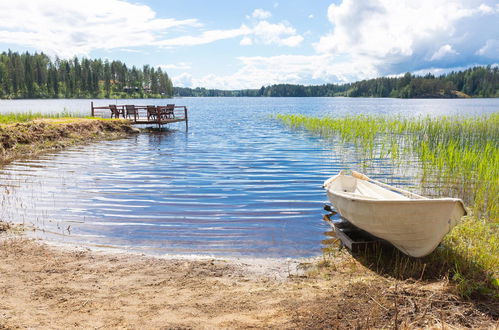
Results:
236 182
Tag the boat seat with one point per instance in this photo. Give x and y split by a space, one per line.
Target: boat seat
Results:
352 194
372 191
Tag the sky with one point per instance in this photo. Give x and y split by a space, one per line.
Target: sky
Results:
235 44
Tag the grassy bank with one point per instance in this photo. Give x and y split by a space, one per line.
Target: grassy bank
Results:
25 135
22 117
457 157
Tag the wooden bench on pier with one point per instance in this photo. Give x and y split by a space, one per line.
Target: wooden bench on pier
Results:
143 114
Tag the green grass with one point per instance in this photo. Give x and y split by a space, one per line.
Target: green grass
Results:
468 258
455 157
22 117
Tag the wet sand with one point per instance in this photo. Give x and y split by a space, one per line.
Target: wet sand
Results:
44 286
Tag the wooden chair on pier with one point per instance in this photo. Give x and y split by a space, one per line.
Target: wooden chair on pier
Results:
170 111
152 112
115 112
167 111
131 111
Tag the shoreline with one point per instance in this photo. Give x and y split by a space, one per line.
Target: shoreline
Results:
20 140
278 268
48 285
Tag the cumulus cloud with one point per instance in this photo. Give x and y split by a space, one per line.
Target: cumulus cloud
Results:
442 52
176 66
490 49
404 35
279 34
264 32
183 80
261 14
67 28
246 41
70 28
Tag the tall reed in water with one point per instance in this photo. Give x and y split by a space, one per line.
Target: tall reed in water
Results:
459 156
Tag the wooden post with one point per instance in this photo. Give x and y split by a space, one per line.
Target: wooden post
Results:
92 114
186 118
158 117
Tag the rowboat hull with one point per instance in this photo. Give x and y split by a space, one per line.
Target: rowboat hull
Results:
414 226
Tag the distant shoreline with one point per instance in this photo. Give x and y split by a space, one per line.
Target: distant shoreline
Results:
474 82
253 97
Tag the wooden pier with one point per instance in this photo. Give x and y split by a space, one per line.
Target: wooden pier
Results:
143 114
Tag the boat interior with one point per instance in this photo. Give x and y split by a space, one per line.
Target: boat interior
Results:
348 185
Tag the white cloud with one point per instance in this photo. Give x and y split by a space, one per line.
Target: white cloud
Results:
384 27
263 32
257 71
67 28
261 14
395 35
490 49
487 9
311 16
204 38
177 66
246 41
183 80
280 34
442 52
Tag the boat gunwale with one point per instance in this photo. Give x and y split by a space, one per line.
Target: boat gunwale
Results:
398 201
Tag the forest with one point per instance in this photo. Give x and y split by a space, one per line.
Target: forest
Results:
36 75
479 81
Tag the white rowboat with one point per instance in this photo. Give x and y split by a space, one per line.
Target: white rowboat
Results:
412 223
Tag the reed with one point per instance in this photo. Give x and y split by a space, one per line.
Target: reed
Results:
22 117
455 157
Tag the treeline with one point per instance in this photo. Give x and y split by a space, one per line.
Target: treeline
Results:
201 91
274 90
37 76
478 81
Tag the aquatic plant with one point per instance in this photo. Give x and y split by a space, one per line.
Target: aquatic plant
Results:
457 156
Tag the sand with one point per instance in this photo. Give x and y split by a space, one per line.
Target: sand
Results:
43 286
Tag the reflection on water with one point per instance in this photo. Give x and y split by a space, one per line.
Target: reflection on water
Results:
235 183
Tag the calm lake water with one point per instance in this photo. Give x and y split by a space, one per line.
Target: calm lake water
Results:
235 183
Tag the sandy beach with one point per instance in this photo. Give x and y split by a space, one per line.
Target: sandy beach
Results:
44 286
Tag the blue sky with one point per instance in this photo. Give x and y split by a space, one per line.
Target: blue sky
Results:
247 44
